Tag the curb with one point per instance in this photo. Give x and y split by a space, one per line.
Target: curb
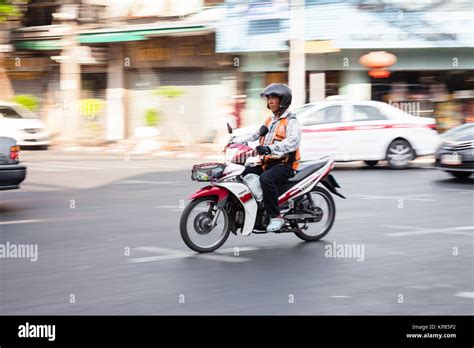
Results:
180 154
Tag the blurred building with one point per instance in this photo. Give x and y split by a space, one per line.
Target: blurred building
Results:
432 40
111 70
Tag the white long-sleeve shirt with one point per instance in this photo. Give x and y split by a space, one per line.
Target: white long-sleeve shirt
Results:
279 148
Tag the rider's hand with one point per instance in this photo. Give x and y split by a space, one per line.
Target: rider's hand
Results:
263 150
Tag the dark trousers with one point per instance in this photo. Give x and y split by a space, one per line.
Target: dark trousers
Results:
269 180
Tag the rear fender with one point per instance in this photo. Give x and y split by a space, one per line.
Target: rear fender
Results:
330 183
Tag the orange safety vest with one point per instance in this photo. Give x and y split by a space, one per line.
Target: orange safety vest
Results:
280 134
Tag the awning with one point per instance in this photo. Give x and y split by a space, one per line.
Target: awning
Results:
106 37
109 37
38 45
135 35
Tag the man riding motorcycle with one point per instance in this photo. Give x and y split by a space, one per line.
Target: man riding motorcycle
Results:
280 147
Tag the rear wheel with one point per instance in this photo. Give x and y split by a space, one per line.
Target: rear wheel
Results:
325 212
399 154
461 175
371 163
196 228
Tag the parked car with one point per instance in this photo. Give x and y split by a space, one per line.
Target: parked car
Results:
12 173
23 125
368 131
455 155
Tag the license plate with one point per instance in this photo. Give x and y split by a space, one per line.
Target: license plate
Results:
451 159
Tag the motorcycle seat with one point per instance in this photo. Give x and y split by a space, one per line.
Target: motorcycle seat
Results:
306 169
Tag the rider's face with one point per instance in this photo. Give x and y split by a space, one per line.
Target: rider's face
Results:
273 103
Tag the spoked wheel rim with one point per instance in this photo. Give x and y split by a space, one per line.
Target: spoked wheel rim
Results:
199 228
324 216
399 154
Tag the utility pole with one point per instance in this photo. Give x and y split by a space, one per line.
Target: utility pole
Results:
297 71
6 90
70 85
7 14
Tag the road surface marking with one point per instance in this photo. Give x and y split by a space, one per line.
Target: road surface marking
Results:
457 190
219 251
45 169
121 164
54 166
406 198
173 254
234 249
71 165
170 208
340 296
153 249
218 255
144 163
176 183
183 255
37 187
19 222
352 216
41 221
227 250
465 294
462 228
421 230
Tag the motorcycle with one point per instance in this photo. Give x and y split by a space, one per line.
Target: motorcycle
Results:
233 204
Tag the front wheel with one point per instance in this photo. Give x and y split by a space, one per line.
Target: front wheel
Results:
320 201
196 225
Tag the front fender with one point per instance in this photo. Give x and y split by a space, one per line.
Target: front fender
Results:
220 192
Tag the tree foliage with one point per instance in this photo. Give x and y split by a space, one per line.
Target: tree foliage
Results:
9 9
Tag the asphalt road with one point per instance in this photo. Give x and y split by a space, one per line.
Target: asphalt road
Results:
106 229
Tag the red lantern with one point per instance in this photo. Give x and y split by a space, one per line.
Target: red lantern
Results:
379 74
377 62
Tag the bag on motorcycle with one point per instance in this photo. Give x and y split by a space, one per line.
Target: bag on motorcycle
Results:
253 183
207 171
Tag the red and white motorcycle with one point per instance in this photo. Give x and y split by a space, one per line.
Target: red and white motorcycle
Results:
234 204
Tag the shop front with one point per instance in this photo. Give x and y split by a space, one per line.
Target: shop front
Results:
445 95
179 86
421 82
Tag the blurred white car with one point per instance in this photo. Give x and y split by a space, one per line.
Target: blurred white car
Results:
367 131
23 125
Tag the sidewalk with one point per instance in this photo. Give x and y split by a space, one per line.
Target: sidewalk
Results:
208 151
